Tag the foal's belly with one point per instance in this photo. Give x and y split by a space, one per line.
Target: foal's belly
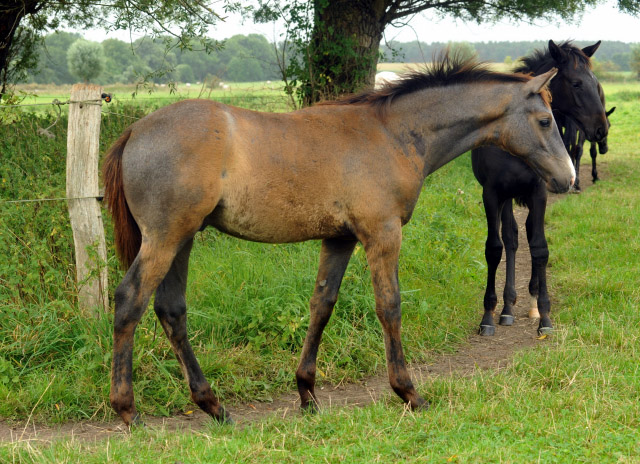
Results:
277 223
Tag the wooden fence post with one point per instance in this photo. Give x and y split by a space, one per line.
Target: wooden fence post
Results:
83 137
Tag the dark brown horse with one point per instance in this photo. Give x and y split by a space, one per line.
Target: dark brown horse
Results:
504 177
574 139
340 173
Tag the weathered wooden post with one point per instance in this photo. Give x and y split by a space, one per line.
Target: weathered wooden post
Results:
83 137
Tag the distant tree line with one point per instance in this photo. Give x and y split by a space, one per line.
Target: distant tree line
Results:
248 58
243 59
614 52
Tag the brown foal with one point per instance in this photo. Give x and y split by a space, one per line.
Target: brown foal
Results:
343 172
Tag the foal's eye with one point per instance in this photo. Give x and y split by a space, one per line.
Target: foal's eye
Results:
576 84
545 122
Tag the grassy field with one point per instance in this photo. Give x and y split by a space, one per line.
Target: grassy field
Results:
574 399
265 96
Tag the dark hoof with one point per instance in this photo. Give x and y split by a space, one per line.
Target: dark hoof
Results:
223 418
487 330
506 319
310 408
422 405
545 330
136 423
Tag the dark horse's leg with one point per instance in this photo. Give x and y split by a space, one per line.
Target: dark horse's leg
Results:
577 156
537 204
493 254
334 258
510 239
594 154
171 309
383 251
131 300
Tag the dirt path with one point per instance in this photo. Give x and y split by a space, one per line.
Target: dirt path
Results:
478 353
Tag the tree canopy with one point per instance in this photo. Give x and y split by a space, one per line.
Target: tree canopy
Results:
334 43
244 58
24 22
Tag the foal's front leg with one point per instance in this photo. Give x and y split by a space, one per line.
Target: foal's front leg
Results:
539 259
383 250
334 258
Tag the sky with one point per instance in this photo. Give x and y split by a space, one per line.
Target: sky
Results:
603 22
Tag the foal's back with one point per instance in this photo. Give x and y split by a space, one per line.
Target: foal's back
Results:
265 177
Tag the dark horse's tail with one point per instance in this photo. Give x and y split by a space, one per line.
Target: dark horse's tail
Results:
127 233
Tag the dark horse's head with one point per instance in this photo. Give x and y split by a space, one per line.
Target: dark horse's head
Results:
575 87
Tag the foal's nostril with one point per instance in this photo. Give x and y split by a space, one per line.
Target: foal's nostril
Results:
556 187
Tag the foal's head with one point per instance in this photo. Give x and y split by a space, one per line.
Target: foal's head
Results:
529 131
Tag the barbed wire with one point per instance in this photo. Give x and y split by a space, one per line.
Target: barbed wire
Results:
35 200
56 102
120 114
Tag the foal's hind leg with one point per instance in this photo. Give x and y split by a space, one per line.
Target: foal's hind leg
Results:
383 250
171 309
539 258
493 255
510 239
334 258
131 300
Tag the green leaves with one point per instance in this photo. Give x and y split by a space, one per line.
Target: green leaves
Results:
8 373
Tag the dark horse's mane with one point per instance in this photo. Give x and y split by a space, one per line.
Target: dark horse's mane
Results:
445 70
540 61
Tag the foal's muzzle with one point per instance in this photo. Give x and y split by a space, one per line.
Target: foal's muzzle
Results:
556 186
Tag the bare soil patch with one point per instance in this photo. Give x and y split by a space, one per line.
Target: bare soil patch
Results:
479 353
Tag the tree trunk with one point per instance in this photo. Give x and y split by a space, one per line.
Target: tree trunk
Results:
11 13
7 30
343 51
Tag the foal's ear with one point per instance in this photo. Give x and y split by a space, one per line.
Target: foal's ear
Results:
608 113
538 83
591 49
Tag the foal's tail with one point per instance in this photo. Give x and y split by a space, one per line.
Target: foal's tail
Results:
127 233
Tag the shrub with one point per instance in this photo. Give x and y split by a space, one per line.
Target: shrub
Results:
85 59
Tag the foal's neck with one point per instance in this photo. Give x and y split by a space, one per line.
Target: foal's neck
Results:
444 122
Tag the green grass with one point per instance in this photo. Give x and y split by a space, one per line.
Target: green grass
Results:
575 398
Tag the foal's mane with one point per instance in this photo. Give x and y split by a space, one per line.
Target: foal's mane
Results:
541 61
446 70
